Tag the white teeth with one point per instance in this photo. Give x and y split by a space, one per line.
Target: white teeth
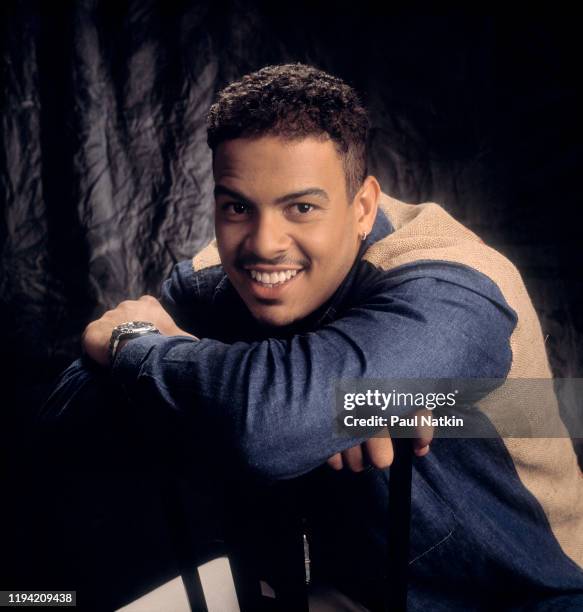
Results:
273 278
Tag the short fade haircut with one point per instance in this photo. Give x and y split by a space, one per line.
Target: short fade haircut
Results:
295 101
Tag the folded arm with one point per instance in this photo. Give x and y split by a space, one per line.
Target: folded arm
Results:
275 398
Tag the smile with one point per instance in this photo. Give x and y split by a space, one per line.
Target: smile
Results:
272 279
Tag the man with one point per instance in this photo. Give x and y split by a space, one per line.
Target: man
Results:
315 276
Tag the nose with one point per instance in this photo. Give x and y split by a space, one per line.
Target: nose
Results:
268 237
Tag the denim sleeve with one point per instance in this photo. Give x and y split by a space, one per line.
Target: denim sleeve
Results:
274 399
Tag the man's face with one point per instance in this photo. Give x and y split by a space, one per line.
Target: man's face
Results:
286 233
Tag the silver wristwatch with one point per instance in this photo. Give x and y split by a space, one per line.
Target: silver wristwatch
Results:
126 331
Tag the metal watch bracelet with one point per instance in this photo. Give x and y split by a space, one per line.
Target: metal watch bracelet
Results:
128 331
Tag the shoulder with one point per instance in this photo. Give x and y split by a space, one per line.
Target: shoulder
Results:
189 296
186 283
427 232
440 266
203 301
438 295
425 238
427 278
199 278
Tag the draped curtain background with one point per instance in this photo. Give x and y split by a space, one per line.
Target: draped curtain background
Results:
105 183
105 177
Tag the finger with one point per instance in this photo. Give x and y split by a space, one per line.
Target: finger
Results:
380 451
422 451
423 433
421 446
335 462
352 457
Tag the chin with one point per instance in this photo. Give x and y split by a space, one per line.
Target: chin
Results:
275 319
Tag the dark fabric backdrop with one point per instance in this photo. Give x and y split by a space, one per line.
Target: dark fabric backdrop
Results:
105 177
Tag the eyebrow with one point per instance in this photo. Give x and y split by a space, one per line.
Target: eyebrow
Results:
288 197
310 191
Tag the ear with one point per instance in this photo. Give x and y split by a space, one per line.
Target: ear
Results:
366 203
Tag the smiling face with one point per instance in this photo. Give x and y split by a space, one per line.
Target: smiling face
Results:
286 233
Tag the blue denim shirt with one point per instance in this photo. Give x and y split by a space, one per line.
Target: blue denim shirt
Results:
479 538
272 389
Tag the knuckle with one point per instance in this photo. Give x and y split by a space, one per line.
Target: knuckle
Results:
382 462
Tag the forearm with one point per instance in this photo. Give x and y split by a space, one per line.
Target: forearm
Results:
274 399
277 416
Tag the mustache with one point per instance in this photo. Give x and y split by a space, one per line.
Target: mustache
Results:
250 259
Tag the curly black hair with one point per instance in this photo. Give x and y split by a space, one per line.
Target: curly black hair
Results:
294 101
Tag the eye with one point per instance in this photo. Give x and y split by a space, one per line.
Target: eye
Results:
303 208
235 208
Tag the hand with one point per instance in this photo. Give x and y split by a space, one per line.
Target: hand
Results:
378 451
97 334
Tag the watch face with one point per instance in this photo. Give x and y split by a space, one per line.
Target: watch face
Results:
127 331
135 326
